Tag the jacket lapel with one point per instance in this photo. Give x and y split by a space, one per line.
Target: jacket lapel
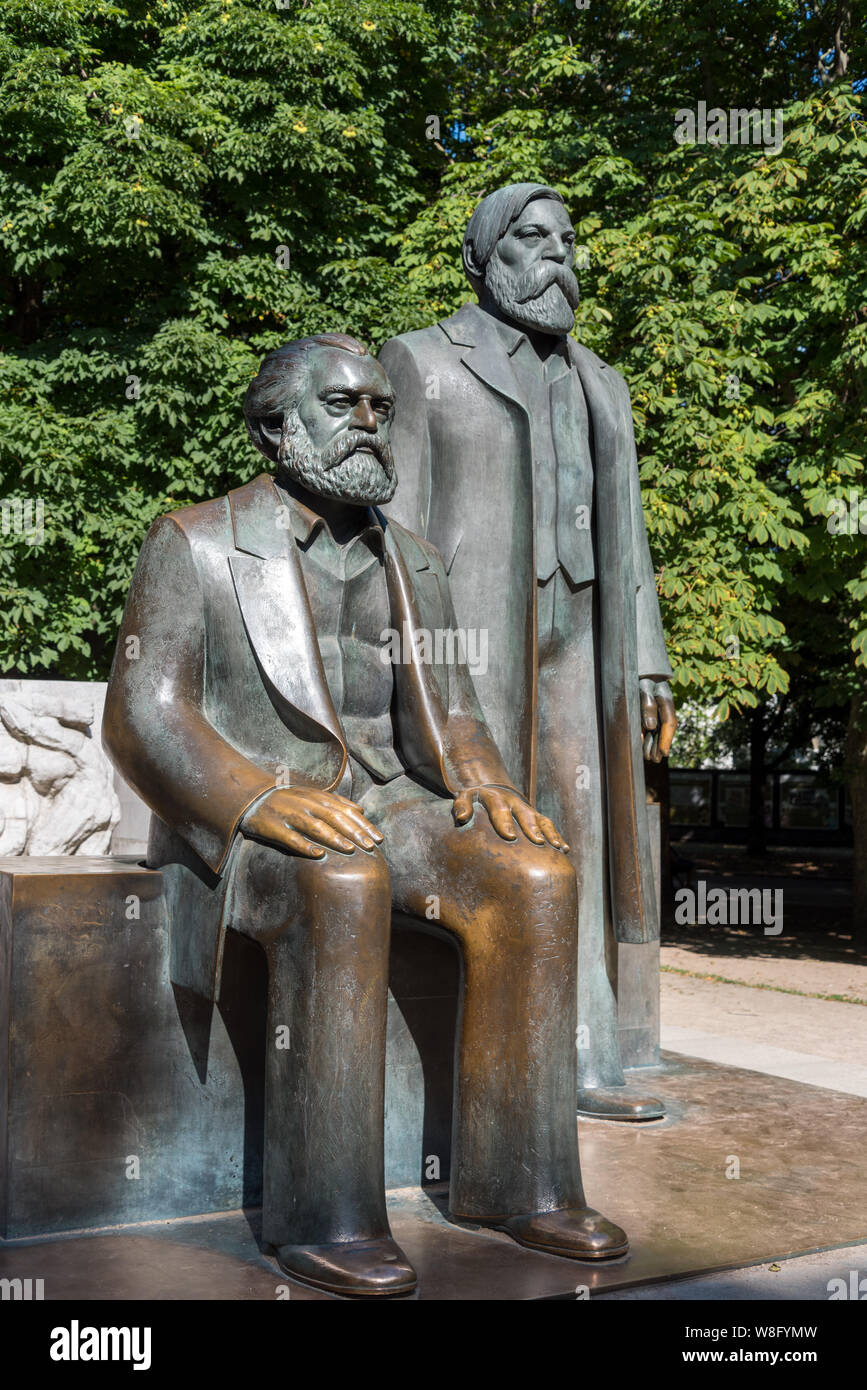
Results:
486 357
416 607
274 606
602 404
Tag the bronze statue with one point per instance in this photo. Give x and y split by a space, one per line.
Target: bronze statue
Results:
301 785
517 460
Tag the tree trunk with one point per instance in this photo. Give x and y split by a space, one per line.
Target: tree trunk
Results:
856 762
757 842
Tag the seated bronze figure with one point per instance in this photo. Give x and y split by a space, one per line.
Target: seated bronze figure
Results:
302 786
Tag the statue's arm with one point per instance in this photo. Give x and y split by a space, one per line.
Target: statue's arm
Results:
154 727
410 438
653 663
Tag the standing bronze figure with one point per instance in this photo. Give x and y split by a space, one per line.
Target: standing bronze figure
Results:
517 459
301 785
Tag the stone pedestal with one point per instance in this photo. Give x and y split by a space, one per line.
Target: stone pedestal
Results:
123 1099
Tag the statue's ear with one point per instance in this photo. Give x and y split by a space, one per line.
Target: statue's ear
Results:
265 433
475 272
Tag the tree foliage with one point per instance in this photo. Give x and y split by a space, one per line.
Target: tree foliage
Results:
158 167
182 187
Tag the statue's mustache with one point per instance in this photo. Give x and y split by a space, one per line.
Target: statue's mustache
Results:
351 441
541 276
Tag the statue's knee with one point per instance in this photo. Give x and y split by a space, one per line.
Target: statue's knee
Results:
282 884
541 873
361 878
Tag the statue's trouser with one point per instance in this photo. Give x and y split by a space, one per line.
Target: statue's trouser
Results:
325 929
512 908
571 790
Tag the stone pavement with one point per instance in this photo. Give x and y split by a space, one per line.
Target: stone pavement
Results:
805 1277
792 1005
817 1041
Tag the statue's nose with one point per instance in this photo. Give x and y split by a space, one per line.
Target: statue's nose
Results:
364 417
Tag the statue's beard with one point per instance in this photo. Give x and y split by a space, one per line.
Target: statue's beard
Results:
544 297
339 470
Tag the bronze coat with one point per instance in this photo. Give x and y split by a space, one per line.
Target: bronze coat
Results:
461 439
217 693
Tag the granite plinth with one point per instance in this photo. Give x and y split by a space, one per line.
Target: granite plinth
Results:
803 1174
123 1099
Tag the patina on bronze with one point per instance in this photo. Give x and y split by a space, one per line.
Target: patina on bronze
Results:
517 459
301 785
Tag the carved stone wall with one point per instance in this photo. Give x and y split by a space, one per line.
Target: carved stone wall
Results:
59 794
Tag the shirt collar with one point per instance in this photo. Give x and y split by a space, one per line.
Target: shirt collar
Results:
307 524
512 337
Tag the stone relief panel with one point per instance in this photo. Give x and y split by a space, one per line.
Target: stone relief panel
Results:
57 792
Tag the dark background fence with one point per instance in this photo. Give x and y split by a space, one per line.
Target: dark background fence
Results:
801 808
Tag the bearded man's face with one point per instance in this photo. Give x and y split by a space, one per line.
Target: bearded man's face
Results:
529 276
335 442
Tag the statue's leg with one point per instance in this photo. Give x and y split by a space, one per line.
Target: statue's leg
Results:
571 789
324 925
512 907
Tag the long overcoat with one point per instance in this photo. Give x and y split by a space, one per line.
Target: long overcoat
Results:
462 446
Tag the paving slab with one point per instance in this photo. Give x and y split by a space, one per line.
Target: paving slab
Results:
774 970
820 1042
840 1275
746 1169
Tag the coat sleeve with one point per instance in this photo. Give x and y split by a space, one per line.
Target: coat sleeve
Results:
154 728
410 438
653 661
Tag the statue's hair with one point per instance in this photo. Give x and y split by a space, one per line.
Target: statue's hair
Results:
491 219
280 380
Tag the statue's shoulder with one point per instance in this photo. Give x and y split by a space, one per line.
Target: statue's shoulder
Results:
196 514
418 344
197 518
457 331
586 358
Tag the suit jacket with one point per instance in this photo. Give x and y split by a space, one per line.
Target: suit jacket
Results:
217 693
463 452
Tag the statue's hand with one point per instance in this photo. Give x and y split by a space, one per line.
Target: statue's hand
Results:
308 822
504 808
658 720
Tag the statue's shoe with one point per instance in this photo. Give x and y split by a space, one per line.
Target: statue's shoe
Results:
576 1233
618 1103
356 1269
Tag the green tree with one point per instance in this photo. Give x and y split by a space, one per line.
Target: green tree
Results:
727 283
156 161
182 187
